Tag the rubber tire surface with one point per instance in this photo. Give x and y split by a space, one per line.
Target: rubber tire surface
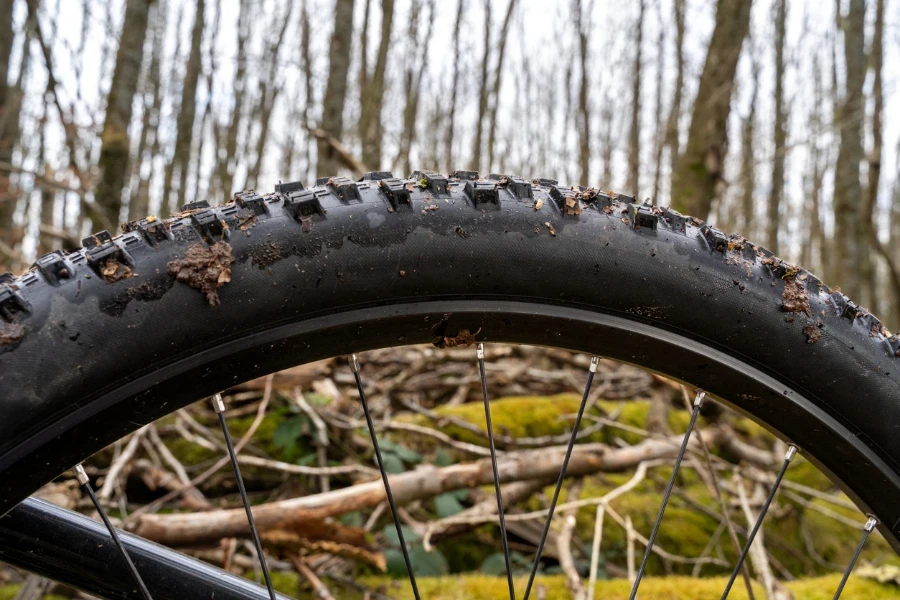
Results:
84 360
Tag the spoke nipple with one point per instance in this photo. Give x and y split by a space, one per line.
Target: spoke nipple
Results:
218 403
791 452
354 363
479 351
871 523
699 399
594 362
80 475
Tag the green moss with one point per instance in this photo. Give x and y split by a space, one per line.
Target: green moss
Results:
663 588
8 592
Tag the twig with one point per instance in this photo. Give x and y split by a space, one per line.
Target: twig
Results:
630 537
120 463
277 465
321 436
566 562
757 550
595 549
319 589
346 423
477 519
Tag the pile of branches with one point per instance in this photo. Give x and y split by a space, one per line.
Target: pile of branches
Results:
307 459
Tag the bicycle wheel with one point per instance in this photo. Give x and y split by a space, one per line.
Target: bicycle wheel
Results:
100 341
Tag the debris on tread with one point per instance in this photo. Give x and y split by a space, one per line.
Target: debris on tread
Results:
794 299
463 338
11 333
114 271
812 332
204 268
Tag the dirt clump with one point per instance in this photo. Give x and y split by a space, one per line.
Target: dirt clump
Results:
11 334
114 271
812 332
204 268
794 299
463 338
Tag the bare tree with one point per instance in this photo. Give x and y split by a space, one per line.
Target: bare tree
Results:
876 63
699 168
9 122
417 58
495 87
226 165
659 133
475 161
584 117
332 121
634 133
850 232
773 212
748 159
268 90
672 127
184 123
371 130
116 145
454 86
814 244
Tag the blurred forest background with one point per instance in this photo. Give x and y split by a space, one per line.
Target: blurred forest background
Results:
769 118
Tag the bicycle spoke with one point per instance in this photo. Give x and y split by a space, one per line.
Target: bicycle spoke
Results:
698 401
219 407
85 482
562 473
479 352
867 529
354 364
788 457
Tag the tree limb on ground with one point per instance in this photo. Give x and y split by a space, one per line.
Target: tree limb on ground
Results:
425 482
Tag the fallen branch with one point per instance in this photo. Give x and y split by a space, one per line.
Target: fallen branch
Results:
425 482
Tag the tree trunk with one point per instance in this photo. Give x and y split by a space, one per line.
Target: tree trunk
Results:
672 127
269 89
659 133
699 168
495 88
475 161
9 123
634 133
584 118
184 123
849 231
371 129
417 58
773 212
115 145
226 166
748 161
454 89
336 87
870 202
